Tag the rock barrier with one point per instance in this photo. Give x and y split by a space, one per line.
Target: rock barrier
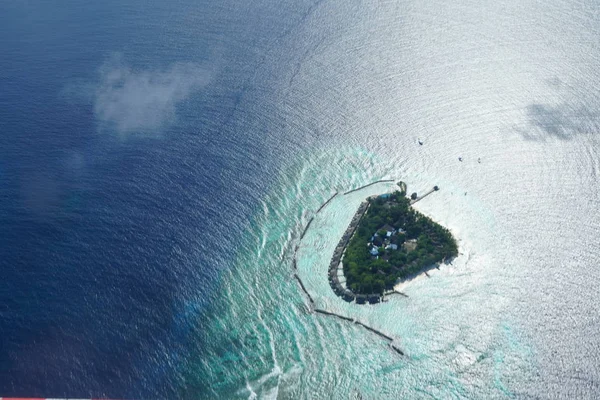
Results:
304 289
367 327
368 184
327 202
306 228
320 311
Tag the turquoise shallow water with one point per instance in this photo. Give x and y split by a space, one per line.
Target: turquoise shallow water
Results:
160 249
514 316
296 349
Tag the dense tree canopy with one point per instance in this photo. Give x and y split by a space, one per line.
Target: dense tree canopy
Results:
416 242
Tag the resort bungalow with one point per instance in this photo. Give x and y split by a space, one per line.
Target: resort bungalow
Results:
388 229
377 241
361 298
348 295
374 298
336 281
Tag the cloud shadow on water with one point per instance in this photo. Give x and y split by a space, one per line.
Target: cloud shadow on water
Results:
562 121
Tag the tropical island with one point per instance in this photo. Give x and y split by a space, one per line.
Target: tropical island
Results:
388 241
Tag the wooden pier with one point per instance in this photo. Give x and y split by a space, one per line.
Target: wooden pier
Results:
435 189
391 292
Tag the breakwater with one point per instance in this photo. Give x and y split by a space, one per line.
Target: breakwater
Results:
304 289
327 202
368 184
375 331
367 327
306 228
294 261
320 311
337 256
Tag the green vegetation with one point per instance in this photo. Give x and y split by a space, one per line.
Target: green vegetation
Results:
391 242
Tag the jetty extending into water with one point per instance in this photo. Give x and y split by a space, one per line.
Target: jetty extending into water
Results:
435 189
394 291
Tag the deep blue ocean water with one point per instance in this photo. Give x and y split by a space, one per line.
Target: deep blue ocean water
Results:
159 160
112 242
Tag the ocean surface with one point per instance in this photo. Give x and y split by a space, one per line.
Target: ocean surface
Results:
159 161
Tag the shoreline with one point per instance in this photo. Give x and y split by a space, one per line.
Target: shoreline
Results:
400 286
313 308
336 260
340 288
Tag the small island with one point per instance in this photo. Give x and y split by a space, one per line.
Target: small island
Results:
387 241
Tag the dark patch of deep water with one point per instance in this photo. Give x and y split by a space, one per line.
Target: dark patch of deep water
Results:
112 241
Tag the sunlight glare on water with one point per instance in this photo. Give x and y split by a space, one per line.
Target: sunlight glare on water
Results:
482 81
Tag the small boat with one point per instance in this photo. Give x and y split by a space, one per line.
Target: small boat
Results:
420 142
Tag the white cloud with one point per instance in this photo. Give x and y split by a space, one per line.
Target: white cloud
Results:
144 101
